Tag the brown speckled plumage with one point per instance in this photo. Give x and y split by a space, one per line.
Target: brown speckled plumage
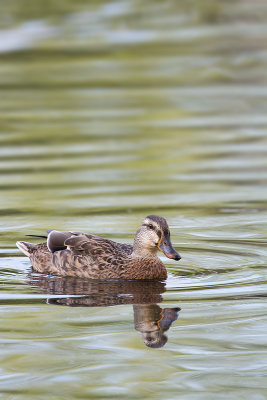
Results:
82 255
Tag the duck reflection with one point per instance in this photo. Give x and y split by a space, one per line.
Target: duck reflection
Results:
150 319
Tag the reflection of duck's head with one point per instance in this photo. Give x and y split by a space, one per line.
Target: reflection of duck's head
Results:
154 339
152 321
154 235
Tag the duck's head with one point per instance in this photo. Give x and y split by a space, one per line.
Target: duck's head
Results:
154 235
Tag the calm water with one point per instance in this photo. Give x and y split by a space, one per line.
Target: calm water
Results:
111 111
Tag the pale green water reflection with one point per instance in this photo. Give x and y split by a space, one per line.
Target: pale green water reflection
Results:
111 111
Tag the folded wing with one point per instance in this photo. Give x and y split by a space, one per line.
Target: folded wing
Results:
98 248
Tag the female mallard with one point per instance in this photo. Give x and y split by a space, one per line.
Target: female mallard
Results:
89 256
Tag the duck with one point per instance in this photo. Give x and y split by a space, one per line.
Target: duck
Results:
78 254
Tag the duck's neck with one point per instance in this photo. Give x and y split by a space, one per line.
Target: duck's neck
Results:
140 250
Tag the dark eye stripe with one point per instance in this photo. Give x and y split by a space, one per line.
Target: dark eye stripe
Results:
150 226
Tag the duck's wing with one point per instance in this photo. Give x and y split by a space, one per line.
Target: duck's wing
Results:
97 247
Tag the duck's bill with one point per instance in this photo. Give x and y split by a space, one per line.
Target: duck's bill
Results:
166 247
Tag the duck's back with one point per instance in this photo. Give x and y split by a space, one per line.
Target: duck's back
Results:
85 261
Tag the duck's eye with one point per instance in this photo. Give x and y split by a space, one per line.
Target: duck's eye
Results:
150 226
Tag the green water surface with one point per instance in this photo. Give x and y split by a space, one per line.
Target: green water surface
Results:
110 111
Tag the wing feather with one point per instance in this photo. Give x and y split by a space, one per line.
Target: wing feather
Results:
94 246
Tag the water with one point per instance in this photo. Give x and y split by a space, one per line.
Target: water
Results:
111 111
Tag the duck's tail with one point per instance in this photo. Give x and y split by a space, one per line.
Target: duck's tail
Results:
26 247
